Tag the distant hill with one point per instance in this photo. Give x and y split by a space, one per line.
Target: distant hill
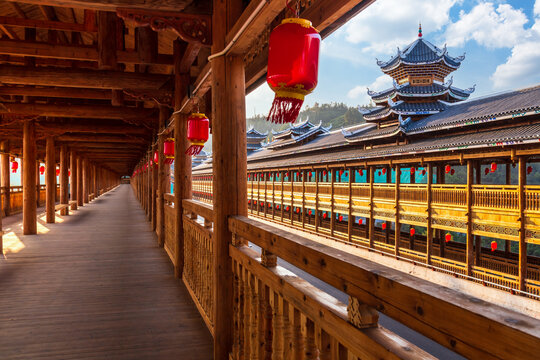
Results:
336 114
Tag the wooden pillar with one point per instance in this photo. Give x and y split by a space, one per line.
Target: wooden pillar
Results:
182 162
29 178
107 38
85 179
38 185
397 224
317 172
429 229
470 241
352 172
80 181
64 179
160 226
332 192
522 257
477 239
50 180
4 176
154 190
73 181
149 188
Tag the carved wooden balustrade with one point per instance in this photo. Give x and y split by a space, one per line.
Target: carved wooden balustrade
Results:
170 233
198 255
325 207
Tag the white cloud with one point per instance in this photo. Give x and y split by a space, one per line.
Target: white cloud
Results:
383 27
522 68
489 26
259 100
359 92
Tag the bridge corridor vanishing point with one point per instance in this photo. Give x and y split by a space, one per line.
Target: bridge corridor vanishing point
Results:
97 286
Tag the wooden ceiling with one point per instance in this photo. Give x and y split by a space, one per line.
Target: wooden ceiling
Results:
96 79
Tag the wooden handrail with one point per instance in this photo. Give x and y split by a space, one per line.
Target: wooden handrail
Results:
417 303
199 208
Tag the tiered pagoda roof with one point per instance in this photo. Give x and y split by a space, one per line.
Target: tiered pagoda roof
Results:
419 87
255 139
199 159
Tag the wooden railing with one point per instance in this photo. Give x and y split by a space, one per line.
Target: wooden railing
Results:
170 232
278 315
454 195
495 196
198 255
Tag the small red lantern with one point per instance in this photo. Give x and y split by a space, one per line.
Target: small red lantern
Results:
529 169
452 172
493 245
379 173
168 150
287 208
413 170
309 212
14 166
156 157
269 205
384 171
69 172
277 206
448 237
447 169
57 172
493 166
293 62
42 170
340 218
360 221
298 210
340 172
324 216
383 226
326 172
249 202
423 172
412 231
486 171
361 172
198 128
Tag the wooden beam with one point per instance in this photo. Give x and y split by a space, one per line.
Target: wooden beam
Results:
10 33
50 15
78 111
50 180
89 128
55 92
102 139
106 40
77 78
45 24
29 178
72 52
111 5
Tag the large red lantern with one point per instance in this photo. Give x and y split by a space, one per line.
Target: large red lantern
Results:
168 150
42 170
14 166
293 63
198 128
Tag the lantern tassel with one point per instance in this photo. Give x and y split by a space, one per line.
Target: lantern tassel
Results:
284 110
194 150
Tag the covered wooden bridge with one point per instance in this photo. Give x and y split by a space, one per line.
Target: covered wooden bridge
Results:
96 87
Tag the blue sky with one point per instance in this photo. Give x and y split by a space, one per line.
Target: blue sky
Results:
501 39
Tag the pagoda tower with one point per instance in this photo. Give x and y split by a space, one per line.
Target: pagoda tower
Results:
419 87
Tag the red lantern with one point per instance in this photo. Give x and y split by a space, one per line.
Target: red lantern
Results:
298 210
198 128
529 169
249 202
447 169
360 221
69 172
57 172
413 170
277 206
156 157
42 170
384 171
340 172
293 62
309 212
452 172
269 205
324 216
361 172
379 173
383 226
14 166
493 245
412 231
287 208
486 171
448 237
168 150
493 166
423 172
326 172
340 218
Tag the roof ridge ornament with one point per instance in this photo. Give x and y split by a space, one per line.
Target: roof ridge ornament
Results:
470 90
420 29
449 82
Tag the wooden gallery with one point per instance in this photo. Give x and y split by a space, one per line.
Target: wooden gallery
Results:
307 243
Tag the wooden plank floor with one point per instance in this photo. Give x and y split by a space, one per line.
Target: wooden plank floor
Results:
96 286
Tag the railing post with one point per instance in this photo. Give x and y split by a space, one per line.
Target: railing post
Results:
80 181
397 224
470 244
371 213
303 198
73 179
316 200
332 214
522 181
349 216
429 230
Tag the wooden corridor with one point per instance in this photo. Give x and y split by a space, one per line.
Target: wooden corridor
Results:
97 286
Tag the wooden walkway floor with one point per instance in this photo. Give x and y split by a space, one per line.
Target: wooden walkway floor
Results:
96 286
